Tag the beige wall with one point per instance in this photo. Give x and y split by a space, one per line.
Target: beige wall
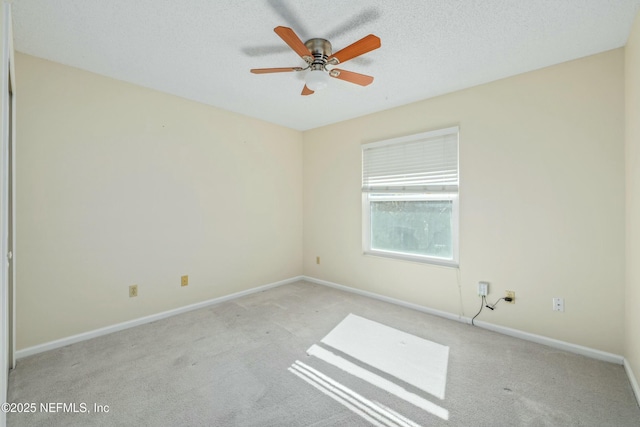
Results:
104 165
632 297
121 185
542 201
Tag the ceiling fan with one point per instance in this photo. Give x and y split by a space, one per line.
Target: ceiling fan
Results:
318 55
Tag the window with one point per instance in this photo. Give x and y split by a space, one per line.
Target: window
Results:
410 197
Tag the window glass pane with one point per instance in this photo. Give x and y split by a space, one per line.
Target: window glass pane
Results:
419 227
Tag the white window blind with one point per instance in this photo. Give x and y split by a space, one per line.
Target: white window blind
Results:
425 162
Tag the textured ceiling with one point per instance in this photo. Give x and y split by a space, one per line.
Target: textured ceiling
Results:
203 49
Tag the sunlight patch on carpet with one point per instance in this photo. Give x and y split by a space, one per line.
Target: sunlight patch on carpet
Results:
399 358
414 360
376 414
377 380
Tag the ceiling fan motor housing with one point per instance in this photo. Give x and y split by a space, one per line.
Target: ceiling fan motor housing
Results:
321 51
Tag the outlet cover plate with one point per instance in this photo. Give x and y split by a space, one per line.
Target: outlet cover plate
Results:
483 288
558 304
512 295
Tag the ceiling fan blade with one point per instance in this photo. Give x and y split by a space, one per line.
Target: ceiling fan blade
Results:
362 46
294 42
362 18
351 77
288 14
306 91
264 50
274 70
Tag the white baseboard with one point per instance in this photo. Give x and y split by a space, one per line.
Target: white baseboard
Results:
562 345
147 319
551 342
384 298
632 380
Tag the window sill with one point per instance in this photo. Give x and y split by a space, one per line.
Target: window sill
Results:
413 258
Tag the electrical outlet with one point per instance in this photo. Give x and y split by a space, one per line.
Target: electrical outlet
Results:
317 260
184 281
483 289
133 291
558 304
512 295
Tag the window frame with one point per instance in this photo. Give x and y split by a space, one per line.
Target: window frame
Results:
413 195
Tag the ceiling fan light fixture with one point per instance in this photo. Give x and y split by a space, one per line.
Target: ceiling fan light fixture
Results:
317 80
